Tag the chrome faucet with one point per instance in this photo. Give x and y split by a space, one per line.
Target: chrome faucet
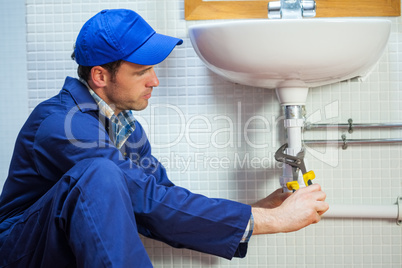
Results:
291 9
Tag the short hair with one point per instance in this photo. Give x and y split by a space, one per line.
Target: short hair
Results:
84 72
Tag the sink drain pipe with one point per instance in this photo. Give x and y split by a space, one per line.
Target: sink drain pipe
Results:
293 123
367 211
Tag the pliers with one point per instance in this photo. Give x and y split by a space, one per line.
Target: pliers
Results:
297 164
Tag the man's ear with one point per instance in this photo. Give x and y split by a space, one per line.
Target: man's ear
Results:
99 76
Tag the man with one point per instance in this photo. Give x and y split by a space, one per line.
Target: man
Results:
83 182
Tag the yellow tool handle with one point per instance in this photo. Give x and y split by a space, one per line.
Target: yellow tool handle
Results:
308 177
293 185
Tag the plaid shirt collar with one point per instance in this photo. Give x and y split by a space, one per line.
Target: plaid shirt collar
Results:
123 124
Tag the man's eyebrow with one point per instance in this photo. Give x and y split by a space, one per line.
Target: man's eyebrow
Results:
144 70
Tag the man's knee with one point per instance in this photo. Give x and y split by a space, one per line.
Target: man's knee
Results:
96 164
101 171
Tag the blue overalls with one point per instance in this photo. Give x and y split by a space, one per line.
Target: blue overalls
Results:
73 199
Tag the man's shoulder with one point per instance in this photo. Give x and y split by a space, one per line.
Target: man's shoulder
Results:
61 108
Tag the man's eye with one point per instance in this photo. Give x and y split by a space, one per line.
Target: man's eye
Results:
142 72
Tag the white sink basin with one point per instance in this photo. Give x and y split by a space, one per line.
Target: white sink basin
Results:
291 53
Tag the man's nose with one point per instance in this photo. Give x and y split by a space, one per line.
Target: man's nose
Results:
153 79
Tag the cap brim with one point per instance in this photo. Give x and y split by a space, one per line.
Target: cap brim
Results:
154 50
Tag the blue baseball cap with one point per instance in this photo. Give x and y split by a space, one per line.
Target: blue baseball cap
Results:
121 34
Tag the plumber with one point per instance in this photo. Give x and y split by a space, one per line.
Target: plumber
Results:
75 196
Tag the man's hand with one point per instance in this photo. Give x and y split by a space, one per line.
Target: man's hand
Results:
280 212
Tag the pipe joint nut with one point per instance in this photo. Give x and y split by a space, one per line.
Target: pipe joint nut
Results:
293 123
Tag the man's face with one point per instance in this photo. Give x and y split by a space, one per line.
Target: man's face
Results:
131 88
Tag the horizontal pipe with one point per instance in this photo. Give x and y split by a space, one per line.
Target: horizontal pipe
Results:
352 141
363 211
354 126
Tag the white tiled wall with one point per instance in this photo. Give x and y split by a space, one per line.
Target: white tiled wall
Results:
218 138
13 87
